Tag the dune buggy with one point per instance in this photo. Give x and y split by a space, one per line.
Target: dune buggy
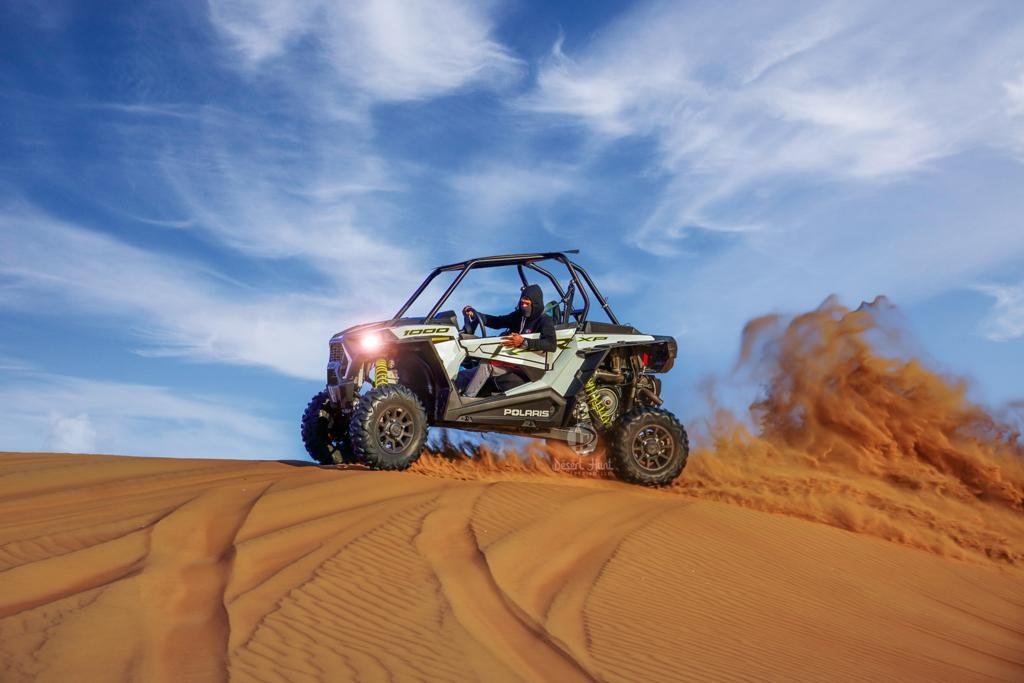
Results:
388 381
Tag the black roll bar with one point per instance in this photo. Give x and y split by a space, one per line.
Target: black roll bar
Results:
554 281
419 290
597 293
526 260
448 292
579 288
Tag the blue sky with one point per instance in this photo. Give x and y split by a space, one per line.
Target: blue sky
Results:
194 196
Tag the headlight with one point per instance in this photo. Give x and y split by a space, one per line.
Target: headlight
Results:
371 342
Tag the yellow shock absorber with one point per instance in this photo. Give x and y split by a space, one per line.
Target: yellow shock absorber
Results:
597 406
380 372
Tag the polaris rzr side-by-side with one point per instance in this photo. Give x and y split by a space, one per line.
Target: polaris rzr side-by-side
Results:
388 381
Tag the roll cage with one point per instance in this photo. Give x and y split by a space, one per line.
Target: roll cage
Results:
523 262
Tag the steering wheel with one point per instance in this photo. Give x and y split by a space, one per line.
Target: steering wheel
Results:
479 322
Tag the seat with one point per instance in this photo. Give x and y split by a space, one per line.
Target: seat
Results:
561 310
552 309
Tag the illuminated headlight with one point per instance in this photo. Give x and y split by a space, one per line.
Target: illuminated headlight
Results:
371 342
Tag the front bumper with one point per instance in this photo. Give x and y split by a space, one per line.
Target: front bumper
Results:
343 393
340 390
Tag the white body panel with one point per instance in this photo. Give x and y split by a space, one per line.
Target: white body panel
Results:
560 365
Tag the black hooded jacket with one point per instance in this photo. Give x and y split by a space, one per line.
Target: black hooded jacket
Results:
517 322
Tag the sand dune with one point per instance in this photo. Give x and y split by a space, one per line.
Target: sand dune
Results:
116 568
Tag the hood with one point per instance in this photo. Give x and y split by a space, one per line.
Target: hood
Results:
446 318
362 327
536 298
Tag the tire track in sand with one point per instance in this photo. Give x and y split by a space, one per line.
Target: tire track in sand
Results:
447 543
186 572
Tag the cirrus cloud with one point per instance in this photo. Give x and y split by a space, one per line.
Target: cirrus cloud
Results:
738 99
391 50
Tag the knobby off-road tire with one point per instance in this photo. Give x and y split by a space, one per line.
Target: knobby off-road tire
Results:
648 446
389 428
325 433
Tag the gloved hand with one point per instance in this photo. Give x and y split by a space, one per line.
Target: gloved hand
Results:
469 319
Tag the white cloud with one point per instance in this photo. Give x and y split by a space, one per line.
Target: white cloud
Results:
1015 95
71 434
277 184
1007 319
910 241
64 413
293 184
390 49
307 203
173 307
494 194
604 95
738 98
274 195
1014 91
803 149
262 30
10 363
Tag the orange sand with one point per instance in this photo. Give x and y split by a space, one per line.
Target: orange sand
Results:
117 568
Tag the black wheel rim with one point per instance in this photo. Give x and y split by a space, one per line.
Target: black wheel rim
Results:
395 429
653 447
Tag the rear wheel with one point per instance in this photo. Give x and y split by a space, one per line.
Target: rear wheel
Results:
648 446
325 432
389 427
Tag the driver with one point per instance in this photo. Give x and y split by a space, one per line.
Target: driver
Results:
528 317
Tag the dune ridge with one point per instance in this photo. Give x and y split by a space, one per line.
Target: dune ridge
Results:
208 570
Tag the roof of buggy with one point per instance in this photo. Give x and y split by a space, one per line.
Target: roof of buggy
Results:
506 259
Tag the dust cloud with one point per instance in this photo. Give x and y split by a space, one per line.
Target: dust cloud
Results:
850 430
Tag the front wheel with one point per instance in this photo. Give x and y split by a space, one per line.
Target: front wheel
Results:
325 432
389 427
648 446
